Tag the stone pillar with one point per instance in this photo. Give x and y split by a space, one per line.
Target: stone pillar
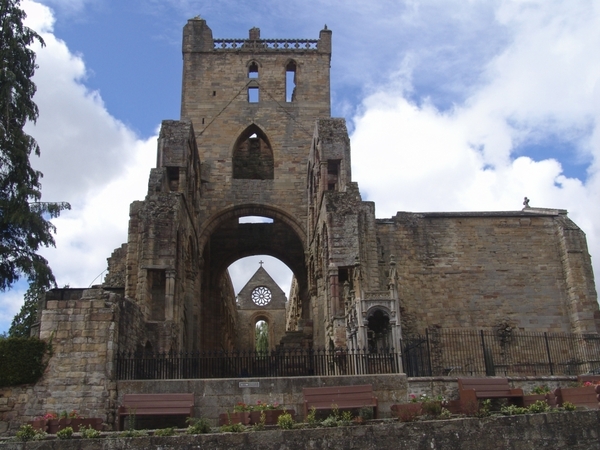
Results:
169 295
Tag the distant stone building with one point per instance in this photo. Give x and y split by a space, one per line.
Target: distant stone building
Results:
260 300
256 138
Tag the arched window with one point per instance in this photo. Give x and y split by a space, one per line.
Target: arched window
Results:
290 81
379 331
253 156
253 90
261 336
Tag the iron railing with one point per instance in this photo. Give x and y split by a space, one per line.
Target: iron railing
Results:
240 364
499 353
439 352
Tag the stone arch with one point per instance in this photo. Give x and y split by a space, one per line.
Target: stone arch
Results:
253 155
223 240
379 328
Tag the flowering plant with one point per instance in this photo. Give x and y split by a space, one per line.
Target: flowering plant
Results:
49 416
543 389
260 406
241 407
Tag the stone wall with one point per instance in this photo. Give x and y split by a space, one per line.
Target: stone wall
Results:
84 328
574 430
217 396
214 397
480 270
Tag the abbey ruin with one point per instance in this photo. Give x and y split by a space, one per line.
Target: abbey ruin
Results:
256 138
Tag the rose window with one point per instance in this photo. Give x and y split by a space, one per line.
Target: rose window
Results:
261 295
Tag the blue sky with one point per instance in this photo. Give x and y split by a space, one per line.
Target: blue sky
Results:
452 105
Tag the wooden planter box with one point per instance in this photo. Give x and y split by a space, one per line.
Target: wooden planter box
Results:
579 396
39 424
54 425
234 417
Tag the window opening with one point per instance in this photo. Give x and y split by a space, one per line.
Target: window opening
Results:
253 94
261 336
253 70
379 332
290 82
261 296
253 156
255 219
333 173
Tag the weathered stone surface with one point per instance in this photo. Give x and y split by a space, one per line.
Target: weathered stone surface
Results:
574 430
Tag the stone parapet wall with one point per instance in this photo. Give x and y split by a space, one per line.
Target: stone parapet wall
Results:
220 395
573 430
214 397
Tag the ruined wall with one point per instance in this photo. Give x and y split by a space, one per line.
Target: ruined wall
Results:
478 270
82 327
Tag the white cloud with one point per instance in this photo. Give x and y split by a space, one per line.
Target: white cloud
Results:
545 83
89 159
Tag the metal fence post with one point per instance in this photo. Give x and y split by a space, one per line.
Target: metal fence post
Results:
548 352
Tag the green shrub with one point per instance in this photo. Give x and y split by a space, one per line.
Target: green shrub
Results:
232 428
568 406
65 433
261 423
21 360
133 433
432 408
512 410
311 417
539 406
366 412
445 414
197 425
89 432
165 432
28 433
285 421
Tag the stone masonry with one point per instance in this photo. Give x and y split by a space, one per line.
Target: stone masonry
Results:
256 138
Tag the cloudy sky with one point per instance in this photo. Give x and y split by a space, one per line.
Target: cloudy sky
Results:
453 105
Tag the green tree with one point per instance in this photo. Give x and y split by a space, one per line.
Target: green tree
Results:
28 315
262 336
24 220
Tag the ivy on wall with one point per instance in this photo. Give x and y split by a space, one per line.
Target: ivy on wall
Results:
22 360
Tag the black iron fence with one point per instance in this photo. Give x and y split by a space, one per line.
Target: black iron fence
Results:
499 353
239 364
437 352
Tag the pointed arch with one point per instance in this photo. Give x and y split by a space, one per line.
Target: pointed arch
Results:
253 155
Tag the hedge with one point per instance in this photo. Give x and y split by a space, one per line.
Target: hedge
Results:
21 360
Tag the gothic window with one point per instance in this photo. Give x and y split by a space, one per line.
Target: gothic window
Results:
253 156
253 90
379 332
261 296
290 81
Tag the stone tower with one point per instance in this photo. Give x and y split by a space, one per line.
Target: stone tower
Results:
241 148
